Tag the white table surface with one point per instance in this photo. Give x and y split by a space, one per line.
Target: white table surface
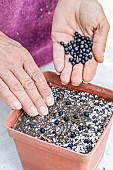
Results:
8 155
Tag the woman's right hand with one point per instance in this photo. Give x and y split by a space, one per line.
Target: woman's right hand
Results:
22 85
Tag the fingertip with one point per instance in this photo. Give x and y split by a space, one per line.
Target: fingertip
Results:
89 70
98 54
16 105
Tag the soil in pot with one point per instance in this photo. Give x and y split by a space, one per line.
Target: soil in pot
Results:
76 120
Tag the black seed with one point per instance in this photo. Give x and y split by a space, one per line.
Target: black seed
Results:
66 49
97 111
66 118
73 63
75 37
86 141
72 52
54 132
69 44
74 59
70 59
61 113
77 61
76 33
86 46
83 49
79 36
62 43
76 48
86 58
70 48
74 45
75 41
42 130
56 122
96 103
87 38
83 61
82 42
83 57
80 128
90 57
70 145
87 51
80 59
74 55
90 49
81 46
80 55
82 100
77 52
72 135
86 114
90 45
58 98
75 116
95 121
86 55
32 125
82 37
72 42
68 102
89 42
67 52
78 40
80 51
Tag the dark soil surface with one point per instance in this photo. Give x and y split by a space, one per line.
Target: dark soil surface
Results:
76 120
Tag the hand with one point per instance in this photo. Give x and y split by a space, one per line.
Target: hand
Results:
86 17
22 85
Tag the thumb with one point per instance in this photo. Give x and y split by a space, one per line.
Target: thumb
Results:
99 40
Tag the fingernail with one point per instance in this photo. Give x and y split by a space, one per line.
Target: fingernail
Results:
33 111
17 105
43 110
85 82
63 83
75 84
49 101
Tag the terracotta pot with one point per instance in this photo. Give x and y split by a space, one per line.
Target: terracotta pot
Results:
40 155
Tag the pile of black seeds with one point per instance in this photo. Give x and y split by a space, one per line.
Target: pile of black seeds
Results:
79 48
76 120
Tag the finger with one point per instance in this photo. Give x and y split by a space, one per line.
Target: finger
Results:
58 57
17 89
89 70
35 74
99 41
8 96
66 73
31 90
76 77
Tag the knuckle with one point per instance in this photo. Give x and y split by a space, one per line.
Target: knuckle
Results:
3 89
29 85
44 90
38 101
37 76
16 87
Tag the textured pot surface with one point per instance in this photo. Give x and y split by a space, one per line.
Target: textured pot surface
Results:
39 155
